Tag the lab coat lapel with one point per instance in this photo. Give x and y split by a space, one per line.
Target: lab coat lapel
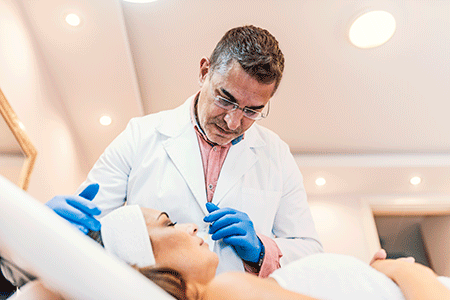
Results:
184 152
182 148
240 158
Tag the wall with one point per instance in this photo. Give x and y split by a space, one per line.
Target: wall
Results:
345 225
10 166
28 87
436 235
403 236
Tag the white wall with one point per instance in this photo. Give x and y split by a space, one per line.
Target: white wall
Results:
10 166
345 225
28 87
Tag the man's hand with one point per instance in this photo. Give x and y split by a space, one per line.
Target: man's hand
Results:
78 210
236 229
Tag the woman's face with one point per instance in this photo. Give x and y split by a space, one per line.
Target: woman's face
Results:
177 246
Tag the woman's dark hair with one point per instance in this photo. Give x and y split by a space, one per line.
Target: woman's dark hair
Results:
255 49
168 279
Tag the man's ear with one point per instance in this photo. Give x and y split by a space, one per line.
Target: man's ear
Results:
204 70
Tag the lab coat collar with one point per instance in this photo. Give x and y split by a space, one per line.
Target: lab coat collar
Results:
175 122
240 158
183 141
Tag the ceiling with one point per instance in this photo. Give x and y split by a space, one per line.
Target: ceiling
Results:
367 119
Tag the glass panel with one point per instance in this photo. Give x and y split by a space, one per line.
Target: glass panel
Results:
12 157
401 236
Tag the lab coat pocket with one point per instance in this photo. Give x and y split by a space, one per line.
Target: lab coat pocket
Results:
261 206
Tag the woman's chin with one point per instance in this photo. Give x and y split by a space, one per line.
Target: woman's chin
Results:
216 262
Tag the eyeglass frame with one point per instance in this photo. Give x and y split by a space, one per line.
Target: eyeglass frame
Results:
260 114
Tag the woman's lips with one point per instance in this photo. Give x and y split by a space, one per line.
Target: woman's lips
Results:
203 243
203 236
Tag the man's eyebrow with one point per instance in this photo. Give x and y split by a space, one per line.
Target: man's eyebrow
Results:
232 99
163 213
228 94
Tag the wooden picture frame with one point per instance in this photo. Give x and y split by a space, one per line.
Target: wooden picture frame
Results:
18 130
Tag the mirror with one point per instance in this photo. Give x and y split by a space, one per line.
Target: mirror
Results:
17 153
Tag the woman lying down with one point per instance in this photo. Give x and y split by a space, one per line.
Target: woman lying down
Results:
175 258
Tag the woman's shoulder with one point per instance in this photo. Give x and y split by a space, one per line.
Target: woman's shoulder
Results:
226 285
244 286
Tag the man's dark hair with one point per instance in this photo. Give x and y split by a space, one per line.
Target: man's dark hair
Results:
255 49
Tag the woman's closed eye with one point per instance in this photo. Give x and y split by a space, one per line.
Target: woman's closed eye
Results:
166 220
171 223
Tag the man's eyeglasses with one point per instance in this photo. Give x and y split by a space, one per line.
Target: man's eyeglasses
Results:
249 113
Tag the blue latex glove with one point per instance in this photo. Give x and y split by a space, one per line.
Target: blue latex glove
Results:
78 210
236 229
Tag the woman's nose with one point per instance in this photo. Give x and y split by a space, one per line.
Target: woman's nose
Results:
193 228
190 228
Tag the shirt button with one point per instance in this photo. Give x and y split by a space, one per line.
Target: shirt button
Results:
215 148
210 186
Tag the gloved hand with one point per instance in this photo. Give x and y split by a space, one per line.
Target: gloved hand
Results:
78 210
236 229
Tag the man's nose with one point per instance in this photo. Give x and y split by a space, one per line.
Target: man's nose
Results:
234 118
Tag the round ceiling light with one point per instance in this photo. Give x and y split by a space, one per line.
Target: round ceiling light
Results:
320 181
73 19
105 120
415 180
372 29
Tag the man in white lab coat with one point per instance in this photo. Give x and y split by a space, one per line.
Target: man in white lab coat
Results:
207 162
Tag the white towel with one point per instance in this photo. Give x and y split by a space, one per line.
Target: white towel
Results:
125 235
329 276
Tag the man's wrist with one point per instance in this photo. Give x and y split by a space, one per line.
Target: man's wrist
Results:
257 264
261 256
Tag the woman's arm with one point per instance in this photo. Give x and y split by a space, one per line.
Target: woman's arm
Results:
415 280
242 286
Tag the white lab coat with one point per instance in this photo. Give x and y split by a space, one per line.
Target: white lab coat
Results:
156 163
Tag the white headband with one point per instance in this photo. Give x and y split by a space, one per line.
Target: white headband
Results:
124 234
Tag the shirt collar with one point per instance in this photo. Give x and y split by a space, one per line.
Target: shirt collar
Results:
194 121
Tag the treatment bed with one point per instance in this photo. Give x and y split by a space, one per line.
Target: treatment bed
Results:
68 264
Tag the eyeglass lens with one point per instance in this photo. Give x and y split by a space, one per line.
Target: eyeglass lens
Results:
230 106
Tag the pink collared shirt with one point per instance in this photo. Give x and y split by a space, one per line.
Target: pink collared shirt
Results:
213 157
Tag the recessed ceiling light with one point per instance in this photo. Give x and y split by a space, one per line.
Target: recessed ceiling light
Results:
372 29
415 180
105 120
139 1
73 19
320 181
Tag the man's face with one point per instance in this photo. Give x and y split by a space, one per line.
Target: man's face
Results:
222 126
